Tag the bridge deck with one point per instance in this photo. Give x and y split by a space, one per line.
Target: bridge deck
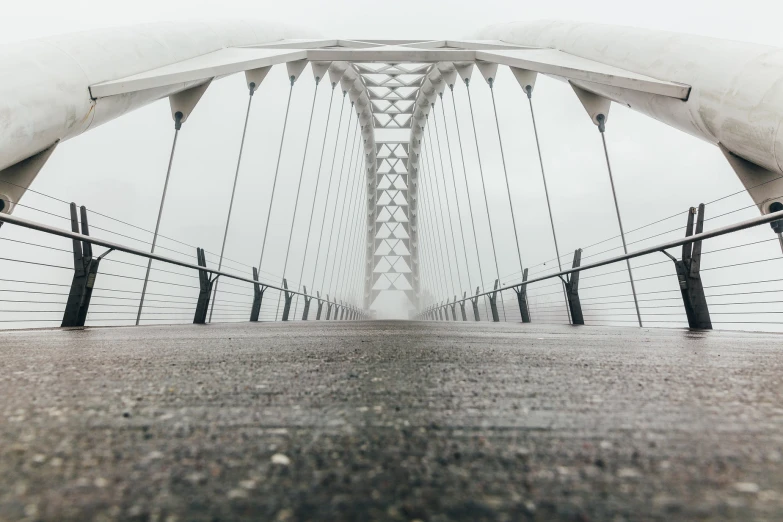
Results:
390 420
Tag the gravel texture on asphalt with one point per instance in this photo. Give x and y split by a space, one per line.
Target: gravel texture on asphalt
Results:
390 421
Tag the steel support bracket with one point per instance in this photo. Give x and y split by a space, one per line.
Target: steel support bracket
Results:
572 291
524 310
307 299
689 278
287 297
258 296
85 272
205 289
475 300
183 102
597 107
320 306
19 176
493 303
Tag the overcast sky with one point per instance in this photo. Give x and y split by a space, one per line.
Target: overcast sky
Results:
118 168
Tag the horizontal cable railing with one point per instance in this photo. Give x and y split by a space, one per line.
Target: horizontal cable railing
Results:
172 294
605 292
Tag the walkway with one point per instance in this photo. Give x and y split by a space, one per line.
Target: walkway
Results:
390 421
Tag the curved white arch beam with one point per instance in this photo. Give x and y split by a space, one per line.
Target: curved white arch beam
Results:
736 98
45 96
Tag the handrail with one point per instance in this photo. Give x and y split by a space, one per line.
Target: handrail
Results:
736 227
33 225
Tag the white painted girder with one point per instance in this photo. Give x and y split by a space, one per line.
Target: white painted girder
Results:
736 96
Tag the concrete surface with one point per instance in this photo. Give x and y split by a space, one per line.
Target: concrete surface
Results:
390 421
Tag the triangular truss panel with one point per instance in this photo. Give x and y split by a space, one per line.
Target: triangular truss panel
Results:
392 258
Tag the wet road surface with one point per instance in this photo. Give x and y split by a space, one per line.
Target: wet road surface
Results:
390 421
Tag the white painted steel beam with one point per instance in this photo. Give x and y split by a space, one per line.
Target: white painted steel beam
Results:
736 88
234 60
558 63
219 63
45 87
392 54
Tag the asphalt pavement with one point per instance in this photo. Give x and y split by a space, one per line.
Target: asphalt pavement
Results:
390 420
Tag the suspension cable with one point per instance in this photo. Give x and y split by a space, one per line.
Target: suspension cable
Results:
177 127
315 194
484 188
337 195
339 261
467 191
361 242
277 171
298 191
529 92
454 184
445 190
442 221
433 222
432 248
505 172
348 241
356 237
231 201
328 189
602 128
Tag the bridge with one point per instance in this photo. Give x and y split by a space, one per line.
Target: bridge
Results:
427 331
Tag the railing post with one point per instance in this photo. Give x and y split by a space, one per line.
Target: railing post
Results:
320 306
572 291
475 300
462 306
454 308
307 299
85 272
287 296
342 311
445 308
521 291
328 308
258 296
689 277
440 313
205 284
493 303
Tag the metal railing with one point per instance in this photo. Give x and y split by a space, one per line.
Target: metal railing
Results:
110 304
602 304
